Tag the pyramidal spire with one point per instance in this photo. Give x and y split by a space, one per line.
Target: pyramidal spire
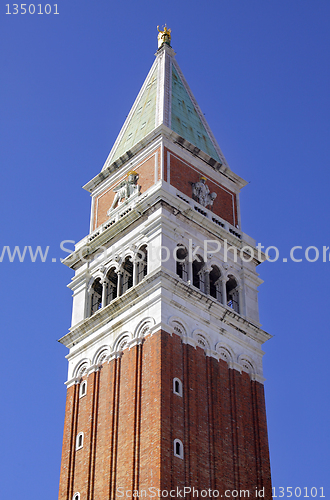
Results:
165 99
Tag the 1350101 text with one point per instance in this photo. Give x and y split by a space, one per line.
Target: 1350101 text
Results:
297 492
31 8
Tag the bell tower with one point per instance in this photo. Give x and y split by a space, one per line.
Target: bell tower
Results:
165 384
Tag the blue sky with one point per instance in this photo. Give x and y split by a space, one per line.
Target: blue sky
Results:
260 72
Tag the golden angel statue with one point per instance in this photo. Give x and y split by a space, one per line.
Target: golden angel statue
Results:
164 36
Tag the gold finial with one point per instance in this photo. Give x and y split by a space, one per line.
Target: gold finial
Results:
164 36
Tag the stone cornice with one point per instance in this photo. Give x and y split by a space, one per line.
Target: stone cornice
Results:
141 206
226 315
175 138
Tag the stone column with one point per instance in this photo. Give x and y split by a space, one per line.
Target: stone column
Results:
206 281
88 303
218 289
135 271
223 291
104 292
239 290
189 270
119 284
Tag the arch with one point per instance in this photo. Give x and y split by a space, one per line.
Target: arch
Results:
144 327
247 364
98 276
178 448
76 496
81 367
122 342
202 339
219 265
112 264
178 326
100 355
225 352
130 254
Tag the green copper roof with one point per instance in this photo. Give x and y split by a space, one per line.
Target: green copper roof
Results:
143 119
185 119
164 99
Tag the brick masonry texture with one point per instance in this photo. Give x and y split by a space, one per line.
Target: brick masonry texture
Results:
181 174
130 417
146 171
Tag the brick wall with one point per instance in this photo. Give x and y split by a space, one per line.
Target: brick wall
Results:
130 418
147 174
182 173
221 421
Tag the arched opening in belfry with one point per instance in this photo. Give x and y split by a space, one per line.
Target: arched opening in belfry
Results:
198 275
96 296
142 263
112 285
127 269
232 293
181 262
215 283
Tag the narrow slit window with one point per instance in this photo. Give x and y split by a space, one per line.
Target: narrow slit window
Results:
83 389
80 441
178 448
177 387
